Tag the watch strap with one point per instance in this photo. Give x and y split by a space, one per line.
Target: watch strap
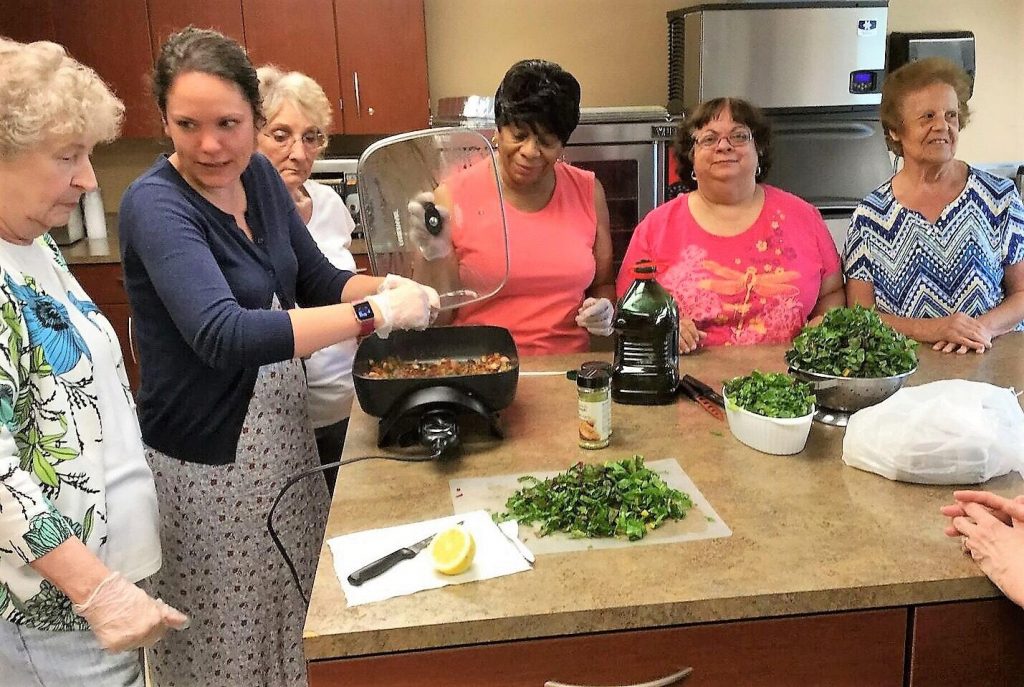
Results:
365 317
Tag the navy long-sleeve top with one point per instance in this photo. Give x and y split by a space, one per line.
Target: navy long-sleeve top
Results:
201 294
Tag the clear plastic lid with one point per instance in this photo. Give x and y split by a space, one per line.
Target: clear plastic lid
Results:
432 211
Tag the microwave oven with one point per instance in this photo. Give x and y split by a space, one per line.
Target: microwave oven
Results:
339 173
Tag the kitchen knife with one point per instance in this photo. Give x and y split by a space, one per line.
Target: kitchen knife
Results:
705 390
385 563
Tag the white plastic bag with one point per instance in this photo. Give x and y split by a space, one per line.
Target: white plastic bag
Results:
949 432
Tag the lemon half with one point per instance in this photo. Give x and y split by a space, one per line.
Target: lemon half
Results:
452 550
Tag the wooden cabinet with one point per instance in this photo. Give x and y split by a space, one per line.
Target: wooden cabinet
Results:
168 16
112 37
27 21
104 282
370 56
382 57
974 643
296 35
858 648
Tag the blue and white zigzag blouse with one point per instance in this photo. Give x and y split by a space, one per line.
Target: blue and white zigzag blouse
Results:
920 269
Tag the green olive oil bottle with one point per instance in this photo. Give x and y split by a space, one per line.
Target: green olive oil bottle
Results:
646 367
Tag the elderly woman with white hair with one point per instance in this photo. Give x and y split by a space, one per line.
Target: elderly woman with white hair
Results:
297 114
78 512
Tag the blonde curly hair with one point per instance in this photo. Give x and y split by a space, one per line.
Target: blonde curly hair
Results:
46 94
278 87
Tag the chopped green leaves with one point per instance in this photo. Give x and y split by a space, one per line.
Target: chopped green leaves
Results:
852 342
772 394
618 499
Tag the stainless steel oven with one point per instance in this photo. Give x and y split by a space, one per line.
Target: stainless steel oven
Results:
627 148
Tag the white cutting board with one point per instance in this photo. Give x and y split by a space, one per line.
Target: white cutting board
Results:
491 493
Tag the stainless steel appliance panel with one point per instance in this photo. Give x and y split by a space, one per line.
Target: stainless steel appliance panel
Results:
830 163
801 57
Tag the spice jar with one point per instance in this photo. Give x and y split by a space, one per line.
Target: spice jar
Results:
593 387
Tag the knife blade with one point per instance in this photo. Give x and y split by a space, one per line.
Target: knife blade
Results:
385 563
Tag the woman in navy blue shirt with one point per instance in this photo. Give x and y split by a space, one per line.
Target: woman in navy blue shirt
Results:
216 258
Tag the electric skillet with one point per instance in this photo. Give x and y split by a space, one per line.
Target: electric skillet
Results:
431 410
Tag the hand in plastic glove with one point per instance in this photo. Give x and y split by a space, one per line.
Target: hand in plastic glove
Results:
123 617
428 228
406 306
393 280
596 315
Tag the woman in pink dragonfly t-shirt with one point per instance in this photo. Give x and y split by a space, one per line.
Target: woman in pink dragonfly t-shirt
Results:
746 262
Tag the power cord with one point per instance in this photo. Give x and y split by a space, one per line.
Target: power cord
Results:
313 471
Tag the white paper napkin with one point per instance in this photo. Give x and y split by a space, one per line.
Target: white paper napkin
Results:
495 556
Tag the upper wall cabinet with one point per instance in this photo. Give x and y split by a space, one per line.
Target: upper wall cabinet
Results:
382 57
110 36
296 35
168 16
370 56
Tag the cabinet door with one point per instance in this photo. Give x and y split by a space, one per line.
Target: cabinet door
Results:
382 51
967 643
168 16
112 37
27 21
296 35
104 282
860 648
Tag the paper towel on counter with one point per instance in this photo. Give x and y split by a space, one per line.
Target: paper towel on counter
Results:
495 556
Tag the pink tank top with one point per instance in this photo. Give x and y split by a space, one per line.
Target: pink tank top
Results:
551 262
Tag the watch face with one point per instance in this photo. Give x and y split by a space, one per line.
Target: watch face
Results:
364 311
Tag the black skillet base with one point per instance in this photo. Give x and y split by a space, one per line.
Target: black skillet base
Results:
430 417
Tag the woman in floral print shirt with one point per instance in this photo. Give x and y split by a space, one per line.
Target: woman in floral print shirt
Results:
746 262
78 516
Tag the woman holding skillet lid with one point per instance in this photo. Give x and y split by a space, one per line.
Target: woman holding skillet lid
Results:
746 262
560 281
215 258
78 512
939 248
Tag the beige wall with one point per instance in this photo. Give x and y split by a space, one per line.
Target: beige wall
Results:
617 49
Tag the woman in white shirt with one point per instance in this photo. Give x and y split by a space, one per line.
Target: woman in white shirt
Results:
297 114
78 512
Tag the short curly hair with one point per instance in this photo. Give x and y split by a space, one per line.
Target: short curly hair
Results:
743 113
538 93
912 77
46 94
278 87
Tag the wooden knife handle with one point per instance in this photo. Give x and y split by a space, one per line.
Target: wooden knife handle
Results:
379 566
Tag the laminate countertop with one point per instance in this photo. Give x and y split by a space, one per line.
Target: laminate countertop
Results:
809 535
107 250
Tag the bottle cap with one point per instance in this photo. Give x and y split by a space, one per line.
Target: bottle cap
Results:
645 269
593 377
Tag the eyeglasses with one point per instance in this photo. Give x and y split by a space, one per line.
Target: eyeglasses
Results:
736 139
311 140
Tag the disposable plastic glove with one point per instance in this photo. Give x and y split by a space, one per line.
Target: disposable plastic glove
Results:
596 315
393 280
406 306
123 617
431 247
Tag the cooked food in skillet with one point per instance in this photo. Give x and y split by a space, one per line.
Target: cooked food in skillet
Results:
394 368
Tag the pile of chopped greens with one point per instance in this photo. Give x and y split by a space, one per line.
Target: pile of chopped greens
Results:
852 342
617 499
771 394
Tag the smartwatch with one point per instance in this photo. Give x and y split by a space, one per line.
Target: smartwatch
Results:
364 316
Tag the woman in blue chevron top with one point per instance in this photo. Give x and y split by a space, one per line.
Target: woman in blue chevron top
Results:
939 248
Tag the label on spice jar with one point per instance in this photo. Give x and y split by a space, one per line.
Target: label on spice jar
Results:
595 411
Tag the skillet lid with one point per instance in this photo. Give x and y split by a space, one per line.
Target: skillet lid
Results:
455 239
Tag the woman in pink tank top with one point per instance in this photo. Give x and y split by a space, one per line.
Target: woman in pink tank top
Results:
560 284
